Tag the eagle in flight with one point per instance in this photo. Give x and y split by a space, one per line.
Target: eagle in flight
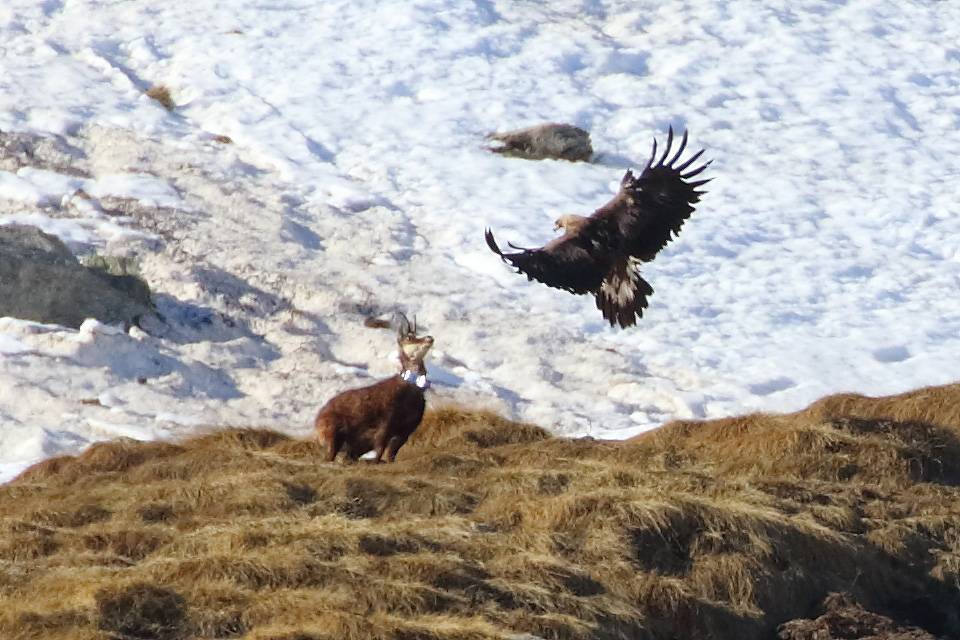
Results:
600 253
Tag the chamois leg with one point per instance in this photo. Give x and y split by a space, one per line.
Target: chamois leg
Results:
393 446
352 452
333 447
380 443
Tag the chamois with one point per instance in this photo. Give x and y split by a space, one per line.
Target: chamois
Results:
379 417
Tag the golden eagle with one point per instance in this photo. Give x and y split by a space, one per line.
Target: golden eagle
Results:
599 254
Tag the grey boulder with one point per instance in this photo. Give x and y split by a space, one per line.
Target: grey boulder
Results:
41 280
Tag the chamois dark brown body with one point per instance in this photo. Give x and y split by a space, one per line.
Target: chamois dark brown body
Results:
379 417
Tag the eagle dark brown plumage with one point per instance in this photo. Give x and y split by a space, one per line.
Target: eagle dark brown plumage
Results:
599 254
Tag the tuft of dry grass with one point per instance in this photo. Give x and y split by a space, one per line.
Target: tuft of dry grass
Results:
486 528
161 93
886 441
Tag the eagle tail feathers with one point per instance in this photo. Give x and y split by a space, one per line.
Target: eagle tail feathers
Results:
622 295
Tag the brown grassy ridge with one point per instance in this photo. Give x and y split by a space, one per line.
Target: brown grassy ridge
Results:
486 528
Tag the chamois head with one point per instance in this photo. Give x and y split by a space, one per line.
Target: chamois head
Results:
413 349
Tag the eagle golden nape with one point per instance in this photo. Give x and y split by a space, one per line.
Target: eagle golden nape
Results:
599 254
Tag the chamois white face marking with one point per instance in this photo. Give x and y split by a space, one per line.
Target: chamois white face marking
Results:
417 348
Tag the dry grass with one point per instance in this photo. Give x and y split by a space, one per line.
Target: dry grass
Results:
161 93
485 528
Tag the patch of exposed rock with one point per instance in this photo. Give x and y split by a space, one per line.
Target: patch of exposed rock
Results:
41 280
50 153
551 140
845 619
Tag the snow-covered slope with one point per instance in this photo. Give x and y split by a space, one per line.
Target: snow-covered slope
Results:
325 161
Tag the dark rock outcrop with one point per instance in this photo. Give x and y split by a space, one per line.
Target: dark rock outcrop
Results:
845 619
41 280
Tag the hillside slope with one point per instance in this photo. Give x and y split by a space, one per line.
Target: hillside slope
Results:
485 528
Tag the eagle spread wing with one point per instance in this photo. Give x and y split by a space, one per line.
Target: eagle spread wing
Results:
599 254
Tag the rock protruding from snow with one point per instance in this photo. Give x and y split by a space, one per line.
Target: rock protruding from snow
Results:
539 142
41 280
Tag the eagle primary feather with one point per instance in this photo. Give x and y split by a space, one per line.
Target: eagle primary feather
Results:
600 253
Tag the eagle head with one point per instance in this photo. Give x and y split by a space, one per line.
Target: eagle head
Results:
570 222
